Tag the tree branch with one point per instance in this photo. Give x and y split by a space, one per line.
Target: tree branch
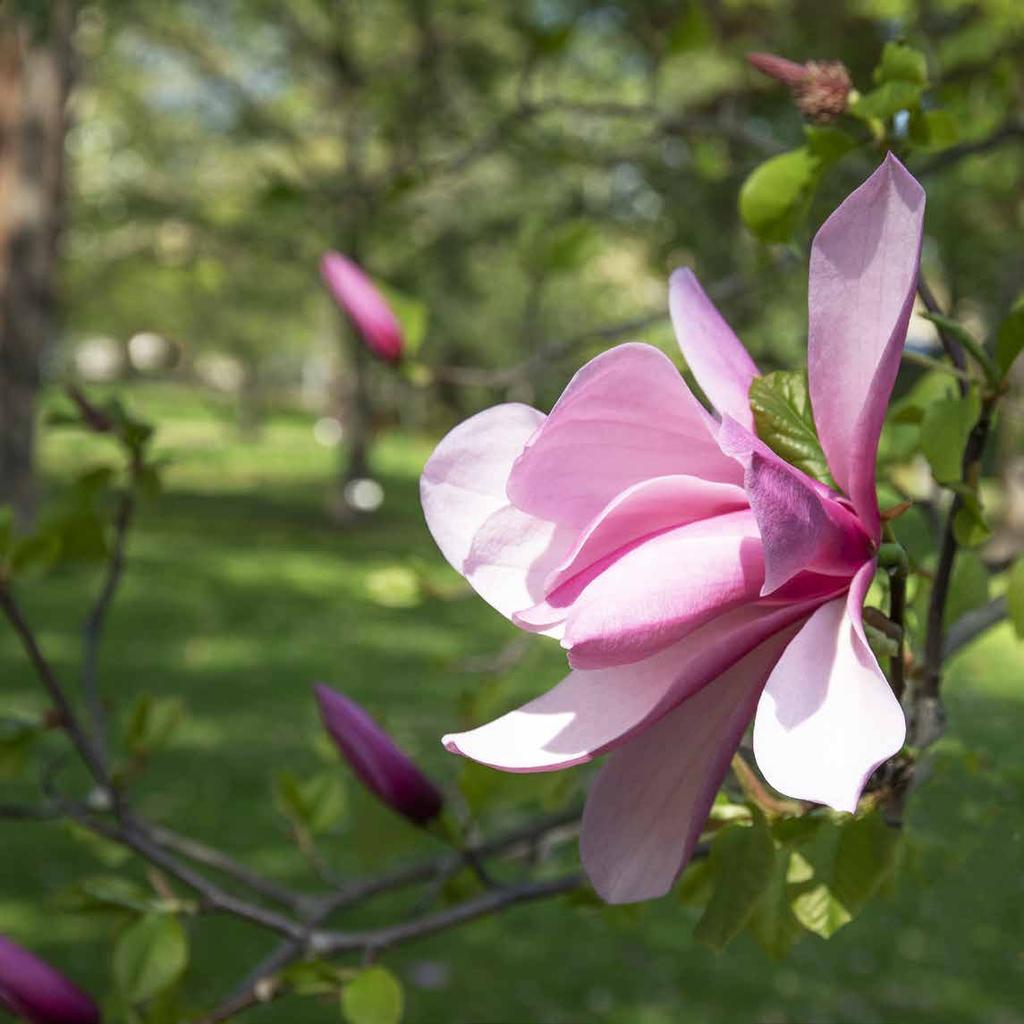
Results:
970 626
92 628
1012 130
69 722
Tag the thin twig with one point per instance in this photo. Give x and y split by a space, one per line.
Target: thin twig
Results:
1010 131
372 942
68 720
247 992
952 347
970 626
200 853
897 612
92 628
133 833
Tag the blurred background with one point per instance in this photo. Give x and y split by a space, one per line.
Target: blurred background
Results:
521 176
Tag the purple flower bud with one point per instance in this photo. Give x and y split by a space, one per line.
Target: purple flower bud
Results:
368 310
32 989
384 769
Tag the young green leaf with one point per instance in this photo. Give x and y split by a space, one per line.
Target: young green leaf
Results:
969 587
888 99
742 865
150 956
374 996
773 923
944 431
1010 338
901 63
783 419
776 196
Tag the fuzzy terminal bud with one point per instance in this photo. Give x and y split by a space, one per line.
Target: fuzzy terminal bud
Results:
821 89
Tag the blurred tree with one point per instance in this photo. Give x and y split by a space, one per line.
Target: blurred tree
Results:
35 76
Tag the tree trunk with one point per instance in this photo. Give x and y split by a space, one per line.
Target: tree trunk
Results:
35 76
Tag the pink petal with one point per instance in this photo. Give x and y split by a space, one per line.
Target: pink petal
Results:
647 808
504 553
512 555
357 295
719 361
643 509
863 276
590 712
663 588
625 417
828 718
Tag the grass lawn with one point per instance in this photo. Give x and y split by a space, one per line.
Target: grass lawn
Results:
240 595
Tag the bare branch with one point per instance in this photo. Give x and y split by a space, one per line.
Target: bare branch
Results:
1011 130
970 626
92 628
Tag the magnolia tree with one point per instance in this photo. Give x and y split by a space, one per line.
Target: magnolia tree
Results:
708 564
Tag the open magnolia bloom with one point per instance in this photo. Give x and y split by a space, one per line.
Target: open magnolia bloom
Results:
695 579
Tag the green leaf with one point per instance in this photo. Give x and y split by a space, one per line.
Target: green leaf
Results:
1010 338
374 996
784 421
312 978
886 100
776 196
944 431
17 738
970 527
317 804
934 129
106 894
832 879
152 723
773 923
969 586
150 956
1015 597
37 553
901 63
864 860
106 851
828 143
743 865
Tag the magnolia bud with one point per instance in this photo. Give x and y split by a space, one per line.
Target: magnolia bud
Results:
378 763
34 991
821 89
364 305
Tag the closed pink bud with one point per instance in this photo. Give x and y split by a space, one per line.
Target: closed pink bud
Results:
32 989
380 765
364 305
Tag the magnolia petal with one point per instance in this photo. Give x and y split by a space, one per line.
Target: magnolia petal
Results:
504 553
800 531
463 482
656 592
511 556
828 717
719 361
588 713
648 805
625 417
863 276
643 509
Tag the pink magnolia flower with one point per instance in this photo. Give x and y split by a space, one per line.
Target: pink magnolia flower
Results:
695 579
32 989
383 769
363 303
